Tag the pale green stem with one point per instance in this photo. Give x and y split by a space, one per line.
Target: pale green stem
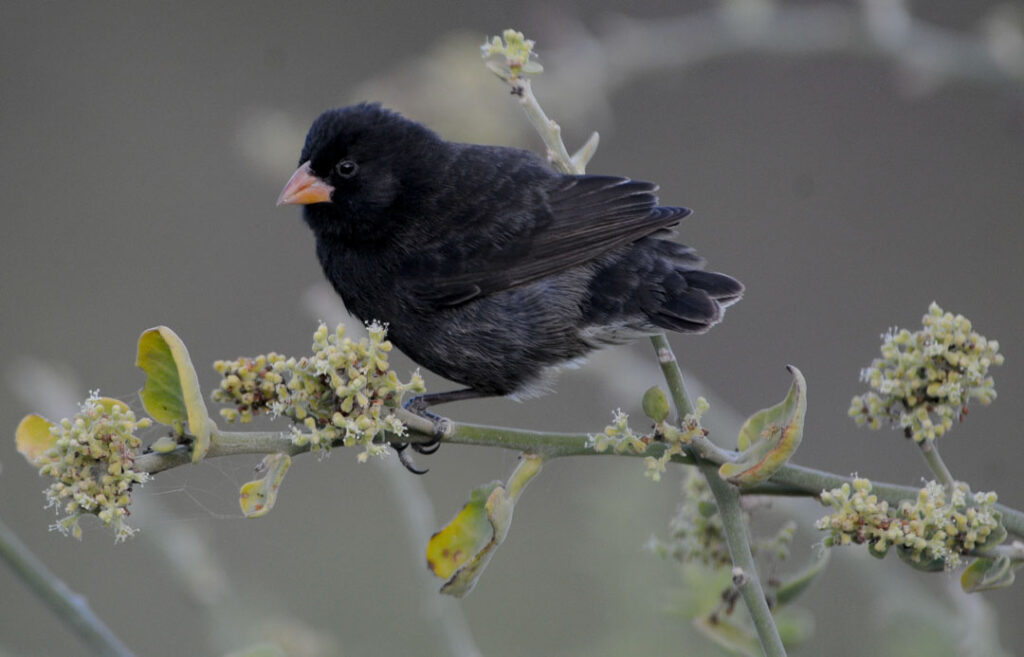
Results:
790 480
744 576
930 451
70 607
727 499
528 468
548 130
673 375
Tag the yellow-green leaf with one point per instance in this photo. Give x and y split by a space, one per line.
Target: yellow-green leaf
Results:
986 574
769 437
171 394
257 497
499 516
34 439
462 549
464 536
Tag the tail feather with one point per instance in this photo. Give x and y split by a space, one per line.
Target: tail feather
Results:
659 284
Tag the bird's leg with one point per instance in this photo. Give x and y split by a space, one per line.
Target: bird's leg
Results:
419 405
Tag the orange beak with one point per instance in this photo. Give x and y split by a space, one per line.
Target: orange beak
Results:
304 188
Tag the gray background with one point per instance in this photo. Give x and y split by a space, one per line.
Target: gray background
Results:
143 147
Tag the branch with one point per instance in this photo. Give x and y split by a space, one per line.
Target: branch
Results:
70 607
875 30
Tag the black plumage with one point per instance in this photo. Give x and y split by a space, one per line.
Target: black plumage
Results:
489 267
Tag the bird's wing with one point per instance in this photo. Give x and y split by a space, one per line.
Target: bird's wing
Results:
581 218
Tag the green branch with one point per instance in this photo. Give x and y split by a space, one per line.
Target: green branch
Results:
790 480
727 499
70 607
930 451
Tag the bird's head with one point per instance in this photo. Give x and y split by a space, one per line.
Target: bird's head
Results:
355 164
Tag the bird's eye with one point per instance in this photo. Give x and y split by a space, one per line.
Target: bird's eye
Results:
346 168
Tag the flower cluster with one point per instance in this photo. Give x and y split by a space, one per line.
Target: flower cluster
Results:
697 535
92 460
931 532
510 56
339 394
620 438
696 532
924 379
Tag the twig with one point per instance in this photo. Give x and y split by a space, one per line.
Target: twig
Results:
70 607
930 451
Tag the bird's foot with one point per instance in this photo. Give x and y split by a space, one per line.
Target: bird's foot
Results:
406 460
418 405
442 425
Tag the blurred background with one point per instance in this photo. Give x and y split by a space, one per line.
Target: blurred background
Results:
849 162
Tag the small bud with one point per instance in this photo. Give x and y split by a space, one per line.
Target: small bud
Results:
655 404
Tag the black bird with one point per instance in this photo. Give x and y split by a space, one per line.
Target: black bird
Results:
488 266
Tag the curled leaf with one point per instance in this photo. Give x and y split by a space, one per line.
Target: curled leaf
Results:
257 497
986 574
769 437
462 549
171 394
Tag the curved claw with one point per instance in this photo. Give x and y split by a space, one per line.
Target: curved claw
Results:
428 448
406 460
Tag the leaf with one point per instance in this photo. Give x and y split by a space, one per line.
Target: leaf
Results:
462 549
33 438
921 562
171 394
467 544
986 574
581 158
258 497
769 437
792 587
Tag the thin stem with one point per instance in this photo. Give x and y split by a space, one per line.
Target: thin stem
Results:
790 480
727 499
548 130
930 451
70 607
745 576
673 375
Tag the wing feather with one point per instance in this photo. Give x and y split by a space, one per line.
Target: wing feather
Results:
578 220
